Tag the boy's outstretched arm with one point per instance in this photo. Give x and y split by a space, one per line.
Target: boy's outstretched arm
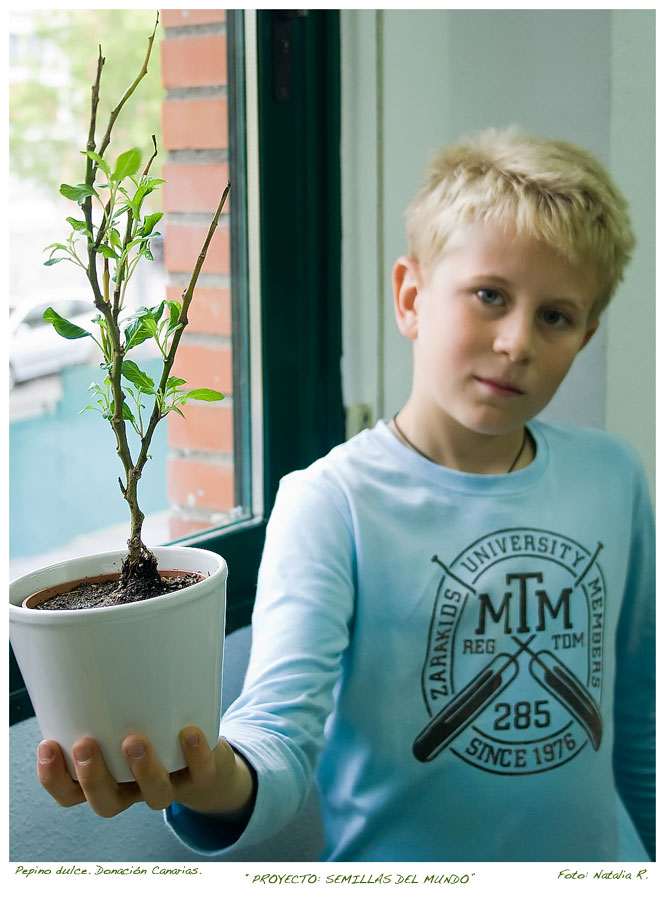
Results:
217 781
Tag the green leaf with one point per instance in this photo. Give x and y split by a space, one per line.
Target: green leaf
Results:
153 312
77 192
126 412
136 333
130 206
52 260
203 394
174 382
103 165
64 328
114 237
127 164
78 225
151 325
137 377
174 315
149 223
174 312
149 183
107 252
146 186
138 241
142 325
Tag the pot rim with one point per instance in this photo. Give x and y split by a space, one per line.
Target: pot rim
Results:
212 566
55 589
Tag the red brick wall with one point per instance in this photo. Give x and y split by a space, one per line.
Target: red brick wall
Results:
195 136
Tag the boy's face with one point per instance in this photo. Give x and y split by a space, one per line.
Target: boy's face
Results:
496 325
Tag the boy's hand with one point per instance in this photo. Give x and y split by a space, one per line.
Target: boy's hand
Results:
215 781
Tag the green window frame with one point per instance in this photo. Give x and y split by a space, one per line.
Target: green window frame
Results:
300 262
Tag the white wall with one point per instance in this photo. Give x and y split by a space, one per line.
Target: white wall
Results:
412 80
631 333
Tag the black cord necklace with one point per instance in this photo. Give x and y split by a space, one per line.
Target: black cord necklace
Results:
420 452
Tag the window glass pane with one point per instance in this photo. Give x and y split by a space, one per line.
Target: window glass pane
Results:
64 494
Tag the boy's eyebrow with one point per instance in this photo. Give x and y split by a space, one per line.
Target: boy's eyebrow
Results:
489 276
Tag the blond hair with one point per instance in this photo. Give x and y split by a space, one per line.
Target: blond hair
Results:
550 190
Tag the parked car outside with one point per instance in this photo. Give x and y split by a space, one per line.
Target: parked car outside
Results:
36 349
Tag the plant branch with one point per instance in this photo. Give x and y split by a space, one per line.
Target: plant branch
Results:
128 93
90 172
154 154
121 277
106 220
187 296
101 301
189 292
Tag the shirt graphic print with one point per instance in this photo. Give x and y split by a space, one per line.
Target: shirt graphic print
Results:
513 673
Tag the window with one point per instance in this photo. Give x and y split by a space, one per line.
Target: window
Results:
297 210
284 248
59 505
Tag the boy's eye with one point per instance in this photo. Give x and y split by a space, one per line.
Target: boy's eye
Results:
554 318
489 296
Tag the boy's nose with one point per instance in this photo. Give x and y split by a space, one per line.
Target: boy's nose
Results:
514 337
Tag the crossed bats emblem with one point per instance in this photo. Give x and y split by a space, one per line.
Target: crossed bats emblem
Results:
492 680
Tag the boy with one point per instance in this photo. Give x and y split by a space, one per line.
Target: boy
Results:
454 620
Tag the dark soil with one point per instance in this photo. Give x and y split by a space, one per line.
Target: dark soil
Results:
115 593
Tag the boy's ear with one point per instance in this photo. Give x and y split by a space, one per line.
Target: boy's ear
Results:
590 333
406 286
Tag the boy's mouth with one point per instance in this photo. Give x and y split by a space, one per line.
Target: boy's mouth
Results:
499 388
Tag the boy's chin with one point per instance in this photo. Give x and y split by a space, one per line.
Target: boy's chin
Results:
495 427
497 420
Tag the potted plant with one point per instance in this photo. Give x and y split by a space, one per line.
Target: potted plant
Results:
138 644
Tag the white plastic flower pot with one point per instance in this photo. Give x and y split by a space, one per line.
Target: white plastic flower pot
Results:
154 666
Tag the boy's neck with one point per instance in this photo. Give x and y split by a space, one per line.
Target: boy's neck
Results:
455 447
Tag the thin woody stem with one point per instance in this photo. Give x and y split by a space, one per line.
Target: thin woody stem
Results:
90 172
101 296
110 312
133 471
128 236
154 154
128 93
187 296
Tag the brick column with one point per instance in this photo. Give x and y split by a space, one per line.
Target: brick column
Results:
195 136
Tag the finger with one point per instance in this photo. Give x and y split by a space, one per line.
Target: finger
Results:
54 777
103 793
151 777
215 781
201 767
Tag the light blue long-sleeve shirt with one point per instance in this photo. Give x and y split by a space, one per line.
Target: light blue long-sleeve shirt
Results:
464 663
